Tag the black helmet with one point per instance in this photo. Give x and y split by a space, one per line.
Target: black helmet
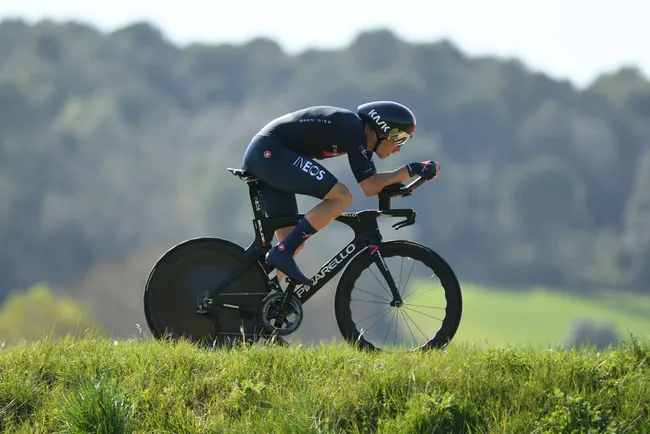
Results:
390 120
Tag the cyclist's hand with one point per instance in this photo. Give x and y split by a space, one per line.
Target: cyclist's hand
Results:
426 169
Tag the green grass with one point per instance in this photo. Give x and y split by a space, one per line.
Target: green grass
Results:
97 385
543 317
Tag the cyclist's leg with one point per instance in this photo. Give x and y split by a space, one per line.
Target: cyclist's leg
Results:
288 171
280 235
278 203
332 205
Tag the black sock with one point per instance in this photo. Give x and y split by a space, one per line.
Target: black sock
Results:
297 236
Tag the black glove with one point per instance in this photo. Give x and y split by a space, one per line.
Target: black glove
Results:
425 169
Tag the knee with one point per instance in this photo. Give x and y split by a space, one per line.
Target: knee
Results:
340 194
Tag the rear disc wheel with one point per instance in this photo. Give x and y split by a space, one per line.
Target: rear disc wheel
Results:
179 282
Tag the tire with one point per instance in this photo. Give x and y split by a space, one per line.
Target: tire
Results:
178 281
344 298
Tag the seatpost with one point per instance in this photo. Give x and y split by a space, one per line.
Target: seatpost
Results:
256 199
258 211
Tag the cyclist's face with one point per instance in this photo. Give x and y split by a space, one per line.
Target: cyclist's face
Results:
386 148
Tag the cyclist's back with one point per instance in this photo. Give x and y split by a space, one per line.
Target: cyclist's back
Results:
318 132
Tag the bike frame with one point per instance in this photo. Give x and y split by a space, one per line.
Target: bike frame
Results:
363 223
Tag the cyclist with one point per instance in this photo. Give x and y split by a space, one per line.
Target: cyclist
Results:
282 155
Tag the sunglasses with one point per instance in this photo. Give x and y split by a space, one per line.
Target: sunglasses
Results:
399 137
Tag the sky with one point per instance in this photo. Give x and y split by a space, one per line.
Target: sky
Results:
568 39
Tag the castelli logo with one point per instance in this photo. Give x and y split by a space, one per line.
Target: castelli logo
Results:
267 154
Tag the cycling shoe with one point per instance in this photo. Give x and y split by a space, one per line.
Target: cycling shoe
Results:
285 263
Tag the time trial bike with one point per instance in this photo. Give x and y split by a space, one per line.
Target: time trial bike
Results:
215 292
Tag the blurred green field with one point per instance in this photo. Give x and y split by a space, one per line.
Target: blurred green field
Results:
543 317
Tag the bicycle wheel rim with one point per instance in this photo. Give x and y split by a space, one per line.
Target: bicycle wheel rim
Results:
370 327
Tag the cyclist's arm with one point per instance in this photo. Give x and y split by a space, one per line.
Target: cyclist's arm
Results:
370 181
373 185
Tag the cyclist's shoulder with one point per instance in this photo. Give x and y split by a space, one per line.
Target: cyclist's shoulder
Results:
330 123
325 112
316 113
340 121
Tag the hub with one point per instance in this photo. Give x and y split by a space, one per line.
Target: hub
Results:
204 306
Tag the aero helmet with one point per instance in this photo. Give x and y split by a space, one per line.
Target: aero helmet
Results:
390 120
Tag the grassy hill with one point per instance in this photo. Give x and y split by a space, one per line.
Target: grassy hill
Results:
536 317
543 317
104 386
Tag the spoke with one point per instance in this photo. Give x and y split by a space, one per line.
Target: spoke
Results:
409 276
420 286
416 326
389 325
407 325
426 307
421 313
368 301
374 314
373 324
368 292
396 322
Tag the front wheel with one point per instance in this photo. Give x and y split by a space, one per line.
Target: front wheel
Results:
432 303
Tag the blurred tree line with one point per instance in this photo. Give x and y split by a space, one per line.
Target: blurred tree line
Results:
116 144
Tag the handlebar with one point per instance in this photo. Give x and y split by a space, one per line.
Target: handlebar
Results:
398 189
